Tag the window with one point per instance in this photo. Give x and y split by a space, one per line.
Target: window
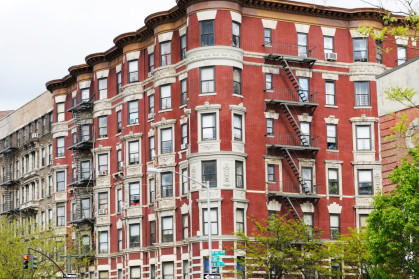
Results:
271 173
333 181
308 219
85 245
362 93
302 44
133 112
43 157
152 190
152 232
103 164
134 235
360 46
363 220
85 94
184 136
165 53
167 184
307 174
168 271
237 127
151 151
102 85
119 200
118 83
167 229
269 126
268 36
85 208
182 47
237 81
119 240
51 119
165 97
183 96
85 170
332 139
42 188
50 218
208 126
60 112
239 174
365 182
133 149
185 186
207 80
103 203
151 62
43 220
44 124
50 155
104 274
119 160
103 242
119 276
49 186
60 147
363 137
60 182
185 269
330 93
185 226
379 51
134 193
103 126
132 71
166 140
135 272
206 28
209 173
401 55
60 215
236 34
305 136
334 226
239 219
268 82
151 105
336 270
213 221
328 44
303 93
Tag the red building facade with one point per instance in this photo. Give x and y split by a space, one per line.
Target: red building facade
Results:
273 104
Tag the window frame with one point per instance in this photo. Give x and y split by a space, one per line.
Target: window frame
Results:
133 193
133 155
182 40
150 65
209 81
132 71
213 115
152 232
268 83
369 138
401 50
60 113
240 224
183 92
105 167
328 50
166 57
371 183
184 181
209 37
271 172
60 215
119 235
60 184
166 188
103 247
331 181
60 147
167 233
269 41
185 226
300 46
379 52
166 101
102 126
236 37
166 142
361 50
119 200
358 100
334 230
103 91
152 190
118 82
210 178
330 95
205 216
333 144
168 276
151 148
133 112
239 177
134 239
237 118
311 184
237 84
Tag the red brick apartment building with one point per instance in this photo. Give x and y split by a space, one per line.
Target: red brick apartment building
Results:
273 103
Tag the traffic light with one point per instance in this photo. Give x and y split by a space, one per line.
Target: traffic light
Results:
33 262
26 262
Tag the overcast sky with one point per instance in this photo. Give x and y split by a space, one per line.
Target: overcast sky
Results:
41 39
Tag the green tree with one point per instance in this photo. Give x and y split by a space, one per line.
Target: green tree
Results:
393 225
278 247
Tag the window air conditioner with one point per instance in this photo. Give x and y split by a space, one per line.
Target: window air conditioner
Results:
133 121
183 146
332 56
102 173
102 211
303 55
150 74
151 115
34 135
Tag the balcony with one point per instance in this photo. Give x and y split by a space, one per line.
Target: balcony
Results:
291 52
81 140
30 205
292 142
8 180
6 148
292 189
81 103
83 179
291 97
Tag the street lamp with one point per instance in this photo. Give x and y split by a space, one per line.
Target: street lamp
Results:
205 185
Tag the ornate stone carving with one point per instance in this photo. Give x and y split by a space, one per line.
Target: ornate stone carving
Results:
193 175
226 171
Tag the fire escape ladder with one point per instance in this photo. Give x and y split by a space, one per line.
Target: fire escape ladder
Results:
292 78
295 170
292 209
8 201
294 124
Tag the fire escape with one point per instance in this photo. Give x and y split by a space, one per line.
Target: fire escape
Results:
8 182
82 178
300 143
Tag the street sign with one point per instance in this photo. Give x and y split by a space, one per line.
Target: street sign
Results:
71 276
220 264
215 270
215 258
212 276
221 253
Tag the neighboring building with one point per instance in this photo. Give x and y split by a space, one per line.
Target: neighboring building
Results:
5 113
272 103
392 150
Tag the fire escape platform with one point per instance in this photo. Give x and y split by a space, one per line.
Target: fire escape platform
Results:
82 221
291 58
8 150
294 195
81 145
291 103
293 147
84 106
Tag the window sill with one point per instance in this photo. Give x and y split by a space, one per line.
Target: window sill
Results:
58 157
207 94
331 106
362 107
183 106
334 196
268 90
165 110
332 150
102 138
237 95
132 125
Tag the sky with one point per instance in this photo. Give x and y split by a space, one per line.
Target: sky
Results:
41 39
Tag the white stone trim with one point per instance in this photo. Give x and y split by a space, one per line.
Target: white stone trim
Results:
102 74
274 205
303 73
118 68
356 34
73 94
235 16
302 28
330 76
307 207
331 120
270 70
84 84
182 31
206 15
305 117
271 114
334 165
402 41
334 208
183 76
150 49
165 37
215 56
133 55
327 31
271 24
60 99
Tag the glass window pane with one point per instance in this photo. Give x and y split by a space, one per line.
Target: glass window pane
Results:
334 220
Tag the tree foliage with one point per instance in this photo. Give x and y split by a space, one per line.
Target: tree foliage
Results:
279 246
393 225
